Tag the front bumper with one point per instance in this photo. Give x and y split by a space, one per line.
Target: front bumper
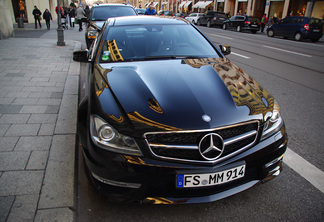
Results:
127 179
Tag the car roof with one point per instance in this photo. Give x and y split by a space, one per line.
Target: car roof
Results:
148 20
110 4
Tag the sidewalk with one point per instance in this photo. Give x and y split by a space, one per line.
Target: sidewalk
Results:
38 111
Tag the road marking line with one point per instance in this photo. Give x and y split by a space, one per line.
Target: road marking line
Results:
283 50
240 55
221 36
311 173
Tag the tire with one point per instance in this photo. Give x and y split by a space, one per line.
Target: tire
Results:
198 22
315 39
208 24
224 26
238 29
270 33
298 36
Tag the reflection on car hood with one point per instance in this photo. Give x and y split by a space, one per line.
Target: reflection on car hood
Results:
176 94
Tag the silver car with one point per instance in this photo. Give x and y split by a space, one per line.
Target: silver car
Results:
193 17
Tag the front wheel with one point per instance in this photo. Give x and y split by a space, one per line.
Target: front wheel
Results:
224 26
298 36
270 33
238 28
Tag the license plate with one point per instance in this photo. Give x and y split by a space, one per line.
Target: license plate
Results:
210 179
254 25
316 30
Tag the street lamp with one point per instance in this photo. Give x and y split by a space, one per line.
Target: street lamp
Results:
60 30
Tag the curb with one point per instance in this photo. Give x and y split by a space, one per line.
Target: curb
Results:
57 197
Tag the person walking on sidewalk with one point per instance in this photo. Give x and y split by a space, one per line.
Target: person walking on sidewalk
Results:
87 12
71 16
37 17
48 17
264 21
80 14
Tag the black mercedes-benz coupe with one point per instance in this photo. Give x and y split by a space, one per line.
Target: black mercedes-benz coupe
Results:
167 119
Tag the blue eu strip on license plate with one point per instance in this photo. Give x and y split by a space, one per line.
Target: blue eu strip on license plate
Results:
210 179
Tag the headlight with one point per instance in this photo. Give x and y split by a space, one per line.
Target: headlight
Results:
106 137
92 34
274 124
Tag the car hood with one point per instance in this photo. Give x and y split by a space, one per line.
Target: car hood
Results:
98 23
188 94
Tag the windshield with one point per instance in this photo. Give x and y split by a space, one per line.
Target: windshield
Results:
103 13
140 11
148 42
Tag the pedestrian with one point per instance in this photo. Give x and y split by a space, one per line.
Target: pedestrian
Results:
264 21
47 17
275 18
150 10
72 16
61 10
87 12
37 16
80 14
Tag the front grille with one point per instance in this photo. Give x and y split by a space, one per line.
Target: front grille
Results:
183 145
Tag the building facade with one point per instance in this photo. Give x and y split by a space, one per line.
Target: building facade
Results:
280 8
12 10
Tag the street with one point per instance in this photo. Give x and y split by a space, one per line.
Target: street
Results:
293 73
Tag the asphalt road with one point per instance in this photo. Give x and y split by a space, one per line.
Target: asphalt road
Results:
293 73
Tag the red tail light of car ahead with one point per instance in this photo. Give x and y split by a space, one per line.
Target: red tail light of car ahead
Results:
247 22
259 23
306 26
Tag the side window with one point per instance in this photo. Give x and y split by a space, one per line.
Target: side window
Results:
283 21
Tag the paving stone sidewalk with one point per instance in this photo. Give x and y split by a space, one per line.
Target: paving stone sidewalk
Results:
38 108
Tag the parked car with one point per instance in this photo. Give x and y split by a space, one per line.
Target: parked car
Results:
166 13
193 17
100 13
181 15
140 11
168 119
212 18
243 22
298 28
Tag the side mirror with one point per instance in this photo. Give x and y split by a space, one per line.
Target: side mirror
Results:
81 55
225 49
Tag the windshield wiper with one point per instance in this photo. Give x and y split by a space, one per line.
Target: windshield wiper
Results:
171 57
